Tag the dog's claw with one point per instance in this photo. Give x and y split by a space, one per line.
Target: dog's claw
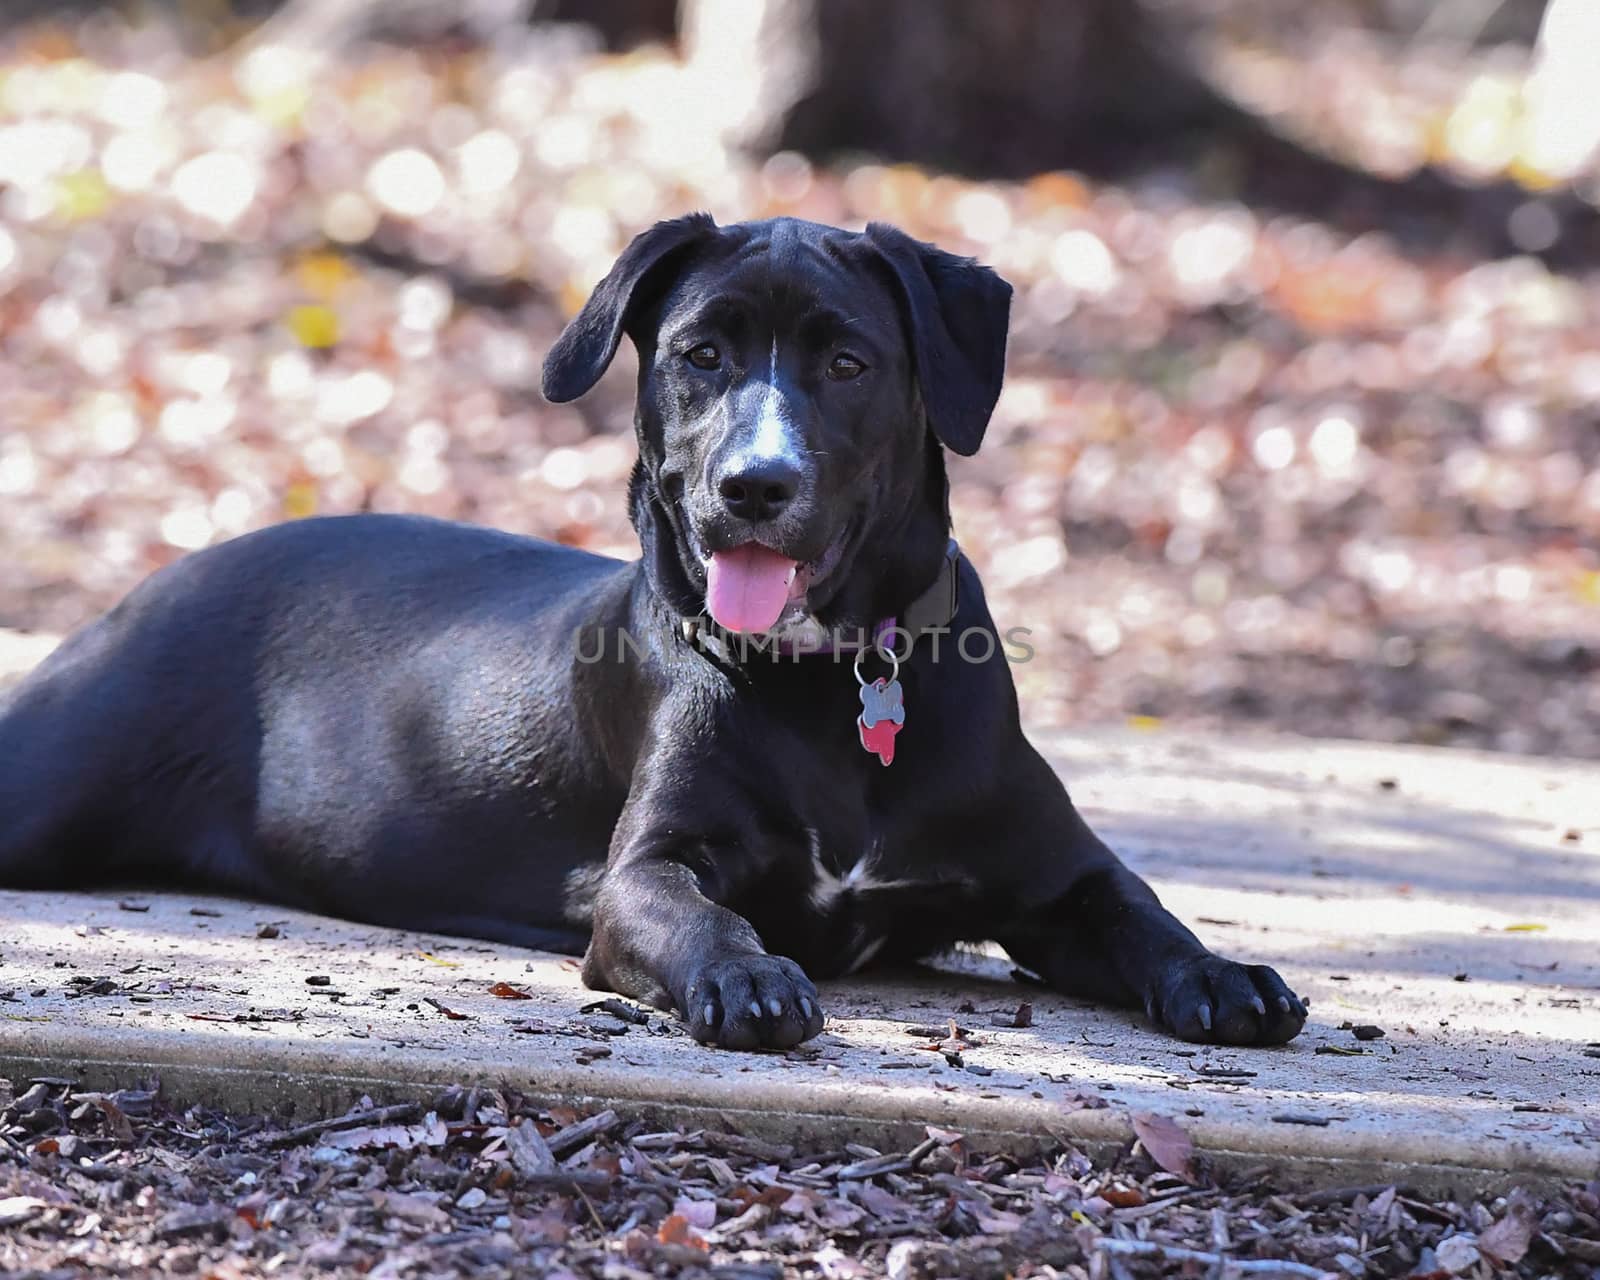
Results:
1216 1001
752 1002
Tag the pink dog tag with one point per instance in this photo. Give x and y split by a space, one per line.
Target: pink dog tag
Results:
883 711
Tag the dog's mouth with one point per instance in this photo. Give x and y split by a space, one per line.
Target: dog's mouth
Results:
752 588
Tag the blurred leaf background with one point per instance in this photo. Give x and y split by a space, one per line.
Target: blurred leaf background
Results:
1300 429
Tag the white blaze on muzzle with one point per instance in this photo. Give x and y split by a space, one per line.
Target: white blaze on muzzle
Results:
776 436
748 588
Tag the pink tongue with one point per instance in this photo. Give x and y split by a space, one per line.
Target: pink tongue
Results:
747 588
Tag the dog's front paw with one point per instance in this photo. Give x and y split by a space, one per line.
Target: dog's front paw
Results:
1215 1001
752 1002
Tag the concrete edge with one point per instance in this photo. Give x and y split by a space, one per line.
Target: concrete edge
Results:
311 1082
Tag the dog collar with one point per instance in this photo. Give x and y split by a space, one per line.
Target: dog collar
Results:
933 610
883 707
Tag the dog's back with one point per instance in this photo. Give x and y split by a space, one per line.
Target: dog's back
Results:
281 679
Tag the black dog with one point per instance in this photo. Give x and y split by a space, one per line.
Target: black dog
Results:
451 729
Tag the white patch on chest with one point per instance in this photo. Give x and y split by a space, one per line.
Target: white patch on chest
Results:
829 889
828 886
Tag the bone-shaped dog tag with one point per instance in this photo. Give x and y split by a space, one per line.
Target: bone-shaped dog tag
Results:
883 712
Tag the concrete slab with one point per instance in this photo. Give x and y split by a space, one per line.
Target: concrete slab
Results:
1451 899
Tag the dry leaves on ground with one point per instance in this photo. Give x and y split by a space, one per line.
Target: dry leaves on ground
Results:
480 1183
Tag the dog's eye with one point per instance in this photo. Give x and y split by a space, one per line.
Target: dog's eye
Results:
706 356
844 368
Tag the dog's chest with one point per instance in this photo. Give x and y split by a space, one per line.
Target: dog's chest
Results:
871 899
834 873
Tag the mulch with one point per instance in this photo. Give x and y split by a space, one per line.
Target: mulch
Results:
482 1182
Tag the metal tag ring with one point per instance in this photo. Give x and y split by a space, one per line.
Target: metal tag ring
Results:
886 652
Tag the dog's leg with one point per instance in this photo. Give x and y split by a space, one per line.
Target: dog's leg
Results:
1095 929
661 936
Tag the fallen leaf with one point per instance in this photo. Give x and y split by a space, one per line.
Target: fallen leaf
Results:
1458 1254
249 1210
1167 1144
548 1225
430 1132
413 1207
840 1215
881 1203
528 1150
15 1210
1508 1239
433 959
744 1224
799 1201
116 1118
996 1221
505 991
676 1230
1526 927
1379 1208
699 1214
1021 1016
448 1012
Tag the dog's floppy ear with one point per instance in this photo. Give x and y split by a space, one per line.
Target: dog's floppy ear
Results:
958 312
584 349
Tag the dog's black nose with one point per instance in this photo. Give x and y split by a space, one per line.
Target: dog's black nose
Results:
757 489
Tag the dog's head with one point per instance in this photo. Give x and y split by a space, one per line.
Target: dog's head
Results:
796 383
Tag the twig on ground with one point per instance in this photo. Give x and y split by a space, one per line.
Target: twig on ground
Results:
576 1179
1160 1204
581 1134
619 1009
1244 1266
877 1166
1344 1195
397 1114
